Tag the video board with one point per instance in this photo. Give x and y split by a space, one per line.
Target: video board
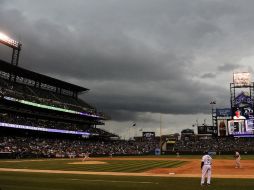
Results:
148 136
202 129
206 129
250 125
241 128
236 127
242 123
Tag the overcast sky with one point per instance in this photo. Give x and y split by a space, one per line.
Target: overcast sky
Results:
141 59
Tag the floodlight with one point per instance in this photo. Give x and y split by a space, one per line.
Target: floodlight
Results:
9 42
3 37
16 47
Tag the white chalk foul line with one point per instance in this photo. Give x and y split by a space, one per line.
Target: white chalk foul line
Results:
113 181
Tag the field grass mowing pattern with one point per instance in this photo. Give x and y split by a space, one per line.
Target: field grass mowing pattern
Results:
109 166
37 181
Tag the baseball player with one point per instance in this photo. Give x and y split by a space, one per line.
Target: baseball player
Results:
111 155
237 160
206 167
86 157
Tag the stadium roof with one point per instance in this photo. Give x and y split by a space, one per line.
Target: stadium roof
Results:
21 72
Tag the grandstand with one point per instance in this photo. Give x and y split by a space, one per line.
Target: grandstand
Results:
32 93
41 116
39 105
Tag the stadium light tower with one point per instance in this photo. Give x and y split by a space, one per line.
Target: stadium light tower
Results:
212 103
16 47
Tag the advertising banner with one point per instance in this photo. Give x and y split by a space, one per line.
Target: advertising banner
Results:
148 135
223 112
222 126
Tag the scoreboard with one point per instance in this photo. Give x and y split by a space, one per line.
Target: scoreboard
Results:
147 136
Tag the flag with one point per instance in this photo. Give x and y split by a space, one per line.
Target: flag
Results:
213 102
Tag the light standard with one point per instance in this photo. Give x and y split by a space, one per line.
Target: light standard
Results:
212 103
16 47
133 125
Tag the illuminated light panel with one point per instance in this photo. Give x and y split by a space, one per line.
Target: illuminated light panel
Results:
3 37
10 125
9 41
48 107
242 79
244 135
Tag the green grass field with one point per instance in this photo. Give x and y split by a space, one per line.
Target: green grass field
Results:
29 181
109 166
44 181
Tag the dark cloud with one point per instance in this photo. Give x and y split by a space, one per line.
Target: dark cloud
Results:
136 56
226 67
208 75
185 100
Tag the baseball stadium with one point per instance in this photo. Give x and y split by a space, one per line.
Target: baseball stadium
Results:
51 139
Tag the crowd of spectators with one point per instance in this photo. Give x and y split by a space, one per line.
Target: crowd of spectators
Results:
52 124
43 147
28 146
47 97
42 123
219 145
44 97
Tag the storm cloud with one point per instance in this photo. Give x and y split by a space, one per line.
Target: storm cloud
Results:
138 57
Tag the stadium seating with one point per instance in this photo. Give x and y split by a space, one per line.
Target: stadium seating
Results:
216 144
23 147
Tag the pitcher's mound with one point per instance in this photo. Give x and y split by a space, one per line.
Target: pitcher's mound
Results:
89 162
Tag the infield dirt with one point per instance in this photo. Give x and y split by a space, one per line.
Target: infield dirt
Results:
220 169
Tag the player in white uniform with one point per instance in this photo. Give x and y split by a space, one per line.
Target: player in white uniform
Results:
206 167
86 156
237 160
